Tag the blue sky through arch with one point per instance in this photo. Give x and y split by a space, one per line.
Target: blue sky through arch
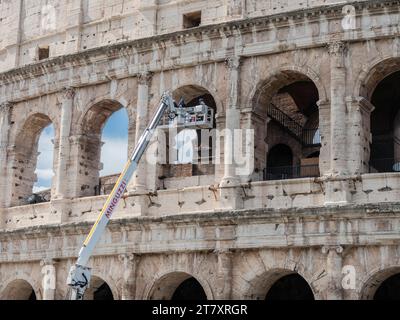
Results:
44 165
114 152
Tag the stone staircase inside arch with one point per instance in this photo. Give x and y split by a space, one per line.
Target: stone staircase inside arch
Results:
307 137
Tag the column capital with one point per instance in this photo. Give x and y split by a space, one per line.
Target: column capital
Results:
363 103
223 251
337 48
144 78
48 262
68 93
234 62
6 106
327 249
128 258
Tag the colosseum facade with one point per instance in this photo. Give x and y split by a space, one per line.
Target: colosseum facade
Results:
313 79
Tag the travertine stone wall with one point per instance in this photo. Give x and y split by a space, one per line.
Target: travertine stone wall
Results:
236 234
72 26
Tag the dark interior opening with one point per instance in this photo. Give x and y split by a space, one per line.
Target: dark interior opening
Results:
32 296
192 20
188 290
44 53
385 126
291 287
103 293
389 289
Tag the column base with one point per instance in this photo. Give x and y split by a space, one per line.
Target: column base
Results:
231 198
337 192
60 210
140 201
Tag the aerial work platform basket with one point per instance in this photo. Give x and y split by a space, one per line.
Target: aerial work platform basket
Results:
200 116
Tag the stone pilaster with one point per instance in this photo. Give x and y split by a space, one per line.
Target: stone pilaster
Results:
62 181
337 52
5 118
130 263
359 134
224 275
236 9
325 131
231 192
334 265
74 21
139 183
49 279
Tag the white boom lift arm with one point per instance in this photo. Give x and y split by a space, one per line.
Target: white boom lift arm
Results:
79 275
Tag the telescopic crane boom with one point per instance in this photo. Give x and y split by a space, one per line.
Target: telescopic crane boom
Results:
79 275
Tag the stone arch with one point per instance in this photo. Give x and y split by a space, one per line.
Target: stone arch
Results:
260 285
375 279
275 79
164 286
19 289
192 90
101 289
256 271
377 84
89 144
373 73
289 96
25 154
191 93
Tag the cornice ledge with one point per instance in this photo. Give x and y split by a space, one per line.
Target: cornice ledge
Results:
124 48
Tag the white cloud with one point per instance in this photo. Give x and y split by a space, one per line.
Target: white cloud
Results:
46 149
45 174
44 167
114 155
39 189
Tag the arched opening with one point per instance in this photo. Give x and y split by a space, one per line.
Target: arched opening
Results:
287 114
290 287
178 286
383 285
279 163
33 162
190 150
114 152
385 125
190 290
389 289
99 290
18 290
92 150
44 169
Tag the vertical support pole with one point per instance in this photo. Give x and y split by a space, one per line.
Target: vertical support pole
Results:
359 135
5 115
130 264
68 95
337 189
74 20
337 51
231 194
334 265
20 22
232 123
224 275
139 184
49 279
325 131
